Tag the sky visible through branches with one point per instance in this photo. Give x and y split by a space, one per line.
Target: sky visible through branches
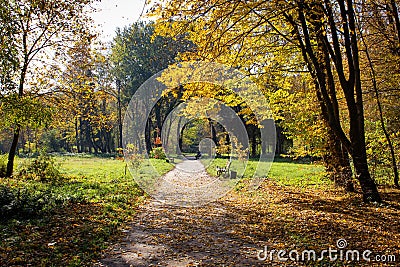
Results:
112 14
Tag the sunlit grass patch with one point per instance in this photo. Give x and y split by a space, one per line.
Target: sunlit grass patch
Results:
285 173
80 214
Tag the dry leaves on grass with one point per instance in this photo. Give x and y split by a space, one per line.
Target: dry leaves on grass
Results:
72 236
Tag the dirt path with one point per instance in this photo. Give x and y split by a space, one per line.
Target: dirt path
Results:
173 236
164 235
188 184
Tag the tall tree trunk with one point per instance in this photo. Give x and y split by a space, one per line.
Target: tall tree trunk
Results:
94 144
178 137
338 164
368 185
14 144
107 138
77 137
158 122
165 139
357 127
81 137
13 150
148 136
253 132
119 106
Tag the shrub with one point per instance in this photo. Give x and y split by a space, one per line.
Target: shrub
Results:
43 169
27 203
157 153
20 203
133 156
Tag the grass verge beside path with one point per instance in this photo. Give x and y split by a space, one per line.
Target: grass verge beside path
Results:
79 214
283 172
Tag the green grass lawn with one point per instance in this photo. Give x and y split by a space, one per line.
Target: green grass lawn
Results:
77 216
283 172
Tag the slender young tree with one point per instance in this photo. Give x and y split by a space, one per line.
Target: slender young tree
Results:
38 27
